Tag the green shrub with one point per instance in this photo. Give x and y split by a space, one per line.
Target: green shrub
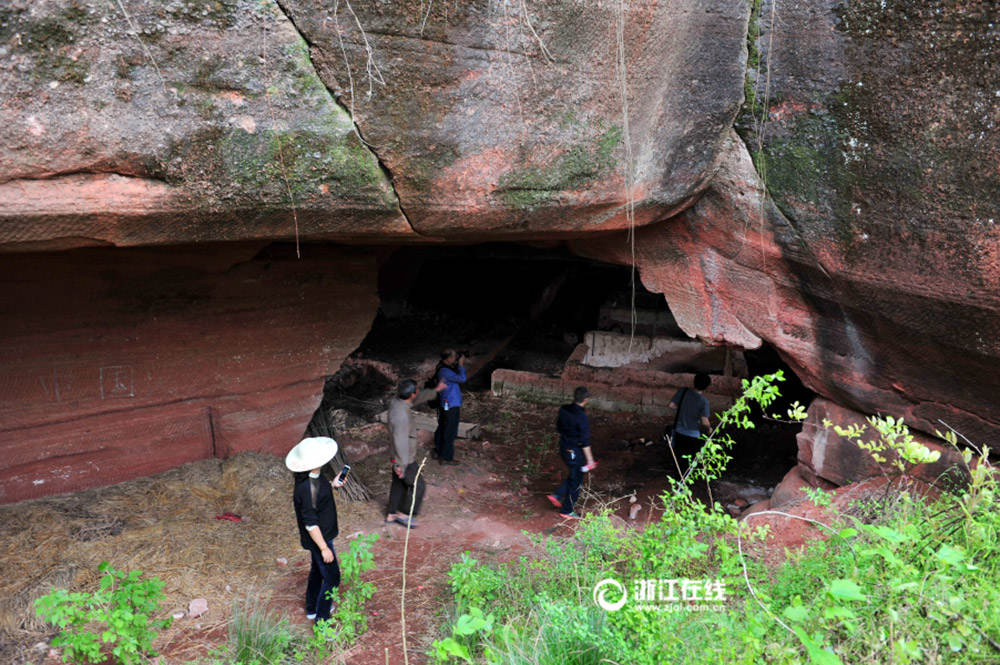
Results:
902 579
119 614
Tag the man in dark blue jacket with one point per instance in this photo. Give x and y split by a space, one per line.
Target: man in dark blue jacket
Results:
574 446
450 373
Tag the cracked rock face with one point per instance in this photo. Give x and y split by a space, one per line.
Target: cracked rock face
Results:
874 266
189 120
505 118
182 121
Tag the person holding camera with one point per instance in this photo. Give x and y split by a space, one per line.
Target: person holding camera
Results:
450 376
406 491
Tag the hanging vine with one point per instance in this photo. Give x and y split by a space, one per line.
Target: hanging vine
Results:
628 179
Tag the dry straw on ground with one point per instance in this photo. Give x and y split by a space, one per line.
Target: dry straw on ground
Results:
164 526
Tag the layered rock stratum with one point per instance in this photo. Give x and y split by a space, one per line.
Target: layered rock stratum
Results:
153 150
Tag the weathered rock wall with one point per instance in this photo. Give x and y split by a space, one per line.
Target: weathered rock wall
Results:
505 119
874 269
881 149
175 123
191 121
877 272
119 364
735 270
179 122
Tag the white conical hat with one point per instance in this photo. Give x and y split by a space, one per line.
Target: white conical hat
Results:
311 453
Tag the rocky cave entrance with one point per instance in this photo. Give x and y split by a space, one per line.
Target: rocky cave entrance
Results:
536 320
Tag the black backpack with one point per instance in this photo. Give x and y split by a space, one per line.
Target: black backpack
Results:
431 383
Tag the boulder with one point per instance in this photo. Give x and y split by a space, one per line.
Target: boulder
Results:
757 507
838 460
792 487
805 521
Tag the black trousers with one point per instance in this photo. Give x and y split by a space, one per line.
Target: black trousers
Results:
446 432
684 445
569 491
406 490
323 577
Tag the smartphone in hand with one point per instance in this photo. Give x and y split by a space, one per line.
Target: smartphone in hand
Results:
342 477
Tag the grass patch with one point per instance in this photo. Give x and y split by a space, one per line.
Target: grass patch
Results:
899 579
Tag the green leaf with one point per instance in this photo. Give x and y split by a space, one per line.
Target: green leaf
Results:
848 533
845 590
468 624
449 647
817 654
796 613
838 612
891 535
950 555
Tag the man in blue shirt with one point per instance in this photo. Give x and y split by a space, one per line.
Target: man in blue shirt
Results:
574 447
451 373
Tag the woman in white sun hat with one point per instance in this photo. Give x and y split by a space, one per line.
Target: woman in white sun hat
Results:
316 513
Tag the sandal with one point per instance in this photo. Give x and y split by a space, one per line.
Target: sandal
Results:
407 522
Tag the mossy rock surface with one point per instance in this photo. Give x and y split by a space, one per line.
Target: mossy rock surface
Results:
878 131
209 107
500 120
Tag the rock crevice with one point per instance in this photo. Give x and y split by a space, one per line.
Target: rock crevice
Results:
335 98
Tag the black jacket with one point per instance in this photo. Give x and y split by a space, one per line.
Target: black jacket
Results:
573 427
324 513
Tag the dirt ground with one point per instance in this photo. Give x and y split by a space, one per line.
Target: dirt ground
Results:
167 527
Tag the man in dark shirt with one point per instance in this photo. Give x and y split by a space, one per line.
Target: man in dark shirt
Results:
316 514
574 446
692 411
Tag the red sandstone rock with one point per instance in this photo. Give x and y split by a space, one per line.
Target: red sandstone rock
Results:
758 507
122 364
735 271
212 125
799 525
790 489
506 120
880 290
836 459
